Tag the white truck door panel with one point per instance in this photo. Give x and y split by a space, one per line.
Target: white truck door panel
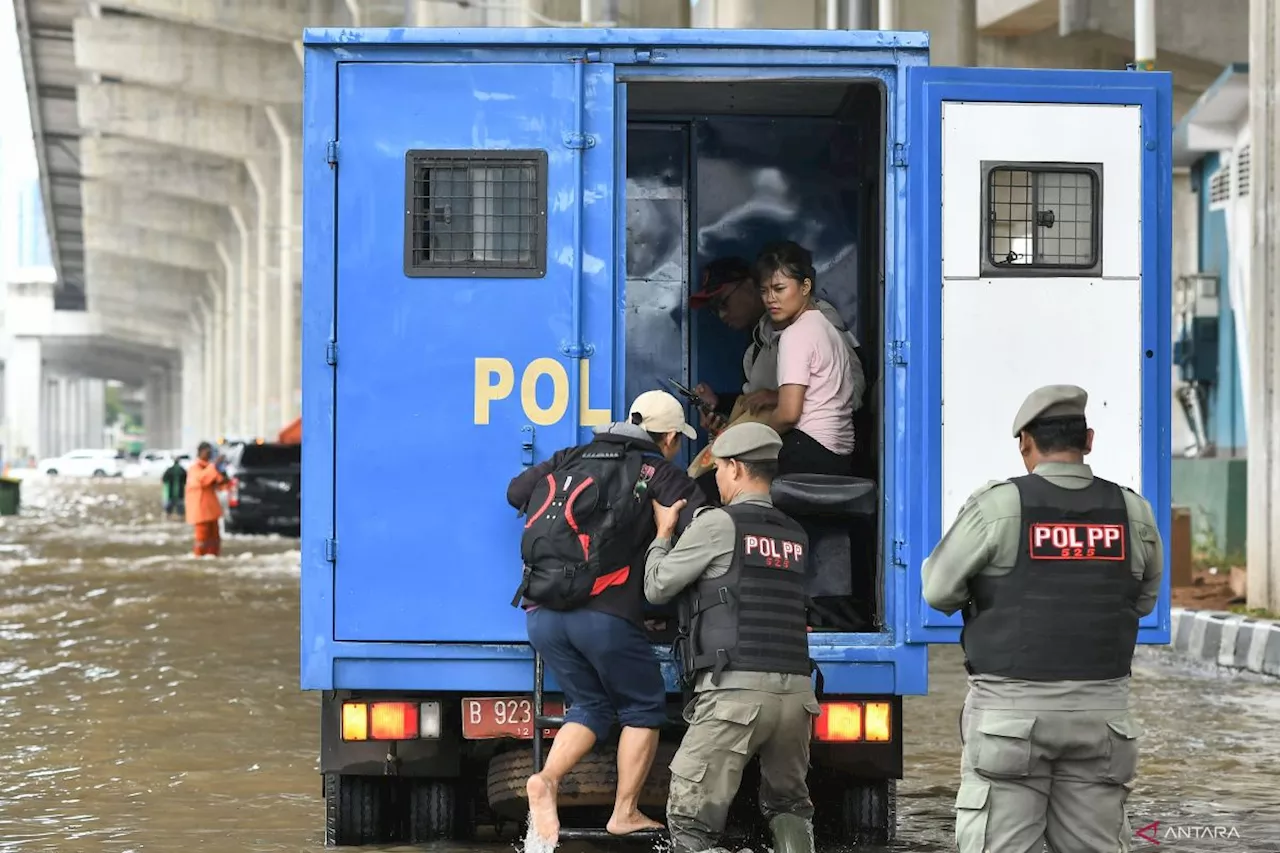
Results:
1038 252
1004 334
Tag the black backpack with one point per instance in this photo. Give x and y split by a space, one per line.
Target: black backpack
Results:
585 521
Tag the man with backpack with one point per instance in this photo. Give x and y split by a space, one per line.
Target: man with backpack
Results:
588 521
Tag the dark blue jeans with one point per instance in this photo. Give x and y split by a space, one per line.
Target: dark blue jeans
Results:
604 664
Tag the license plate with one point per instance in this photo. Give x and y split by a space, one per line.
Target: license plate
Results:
489 717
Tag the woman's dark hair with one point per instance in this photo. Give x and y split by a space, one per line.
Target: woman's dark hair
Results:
789 258
655 437
1055 435
765 470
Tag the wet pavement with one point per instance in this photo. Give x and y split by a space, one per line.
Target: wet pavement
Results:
149 701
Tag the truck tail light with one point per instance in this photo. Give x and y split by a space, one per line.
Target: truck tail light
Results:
355 721
878 726
850 722
233 493
393 720
390 720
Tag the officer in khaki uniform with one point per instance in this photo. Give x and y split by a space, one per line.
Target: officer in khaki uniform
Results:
739 573
1053 571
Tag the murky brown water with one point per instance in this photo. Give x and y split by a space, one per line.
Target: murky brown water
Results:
149 701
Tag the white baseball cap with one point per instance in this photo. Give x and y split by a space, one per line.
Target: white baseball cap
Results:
661 413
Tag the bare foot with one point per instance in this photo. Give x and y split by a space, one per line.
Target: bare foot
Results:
542 810
626 824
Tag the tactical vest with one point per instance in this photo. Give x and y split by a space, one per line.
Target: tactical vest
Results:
752 618
1066 610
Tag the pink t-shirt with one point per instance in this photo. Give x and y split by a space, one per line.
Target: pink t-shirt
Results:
812 352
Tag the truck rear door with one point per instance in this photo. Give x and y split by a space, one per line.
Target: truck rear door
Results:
1039 213
475 277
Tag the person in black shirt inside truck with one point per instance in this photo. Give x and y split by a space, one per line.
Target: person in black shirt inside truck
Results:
589 519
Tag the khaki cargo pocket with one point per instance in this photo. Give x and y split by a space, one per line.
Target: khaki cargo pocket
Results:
971 816
686 795
687 767
812 706
730 722
1122 763
1002 746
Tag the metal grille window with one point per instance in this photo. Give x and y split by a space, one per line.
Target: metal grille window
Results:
476 213
1220 185
1242 171
1042 219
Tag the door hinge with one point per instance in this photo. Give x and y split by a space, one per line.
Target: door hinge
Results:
331 152
900 154
579 141
331 550
526 445
899 553
898 353
577 350
331 353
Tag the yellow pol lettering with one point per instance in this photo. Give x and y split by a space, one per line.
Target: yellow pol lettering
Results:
495 380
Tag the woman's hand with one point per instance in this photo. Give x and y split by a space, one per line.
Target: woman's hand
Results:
706 395
758 401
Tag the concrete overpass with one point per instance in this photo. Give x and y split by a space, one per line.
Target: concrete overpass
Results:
167 133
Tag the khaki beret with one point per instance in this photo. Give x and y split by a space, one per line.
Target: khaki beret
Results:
749 442
1051 401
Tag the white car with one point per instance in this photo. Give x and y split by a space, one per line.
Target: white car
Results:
84 463
153 463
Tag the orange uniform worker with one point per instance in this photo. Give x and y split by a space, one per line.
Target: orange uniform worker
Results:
204 480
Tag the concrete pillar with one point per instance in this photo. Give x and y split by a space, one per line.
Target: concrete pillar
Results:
47 442
65 415
75 414
239 342
92 416
23 393
1264 307
266 378
168 412
208 416
287 332
97 399
189 382
84 439
218 321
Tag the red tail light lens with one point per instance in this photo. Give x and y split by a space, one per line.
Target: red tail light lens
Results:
233 493
867 721
839 721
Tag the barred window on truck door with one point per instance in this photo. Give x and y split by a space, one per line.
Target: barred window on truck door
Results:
475 214
1042 219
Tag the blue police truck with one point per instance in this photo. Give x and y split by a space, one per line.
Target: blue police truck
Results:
501 231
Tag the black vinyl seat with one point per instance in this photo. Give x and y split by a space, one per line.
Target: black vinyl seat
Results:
825 495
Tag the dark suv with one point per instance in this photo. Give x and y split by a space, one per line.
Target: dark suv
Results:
264 495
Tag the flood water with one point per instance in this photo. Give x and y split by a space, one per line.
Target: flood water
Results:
149 701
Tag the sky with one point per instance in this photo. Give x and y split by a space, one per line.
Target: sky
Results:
16 147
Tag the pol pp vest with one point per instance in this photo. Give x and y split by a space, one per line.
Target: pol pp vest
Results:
752 618
1066 610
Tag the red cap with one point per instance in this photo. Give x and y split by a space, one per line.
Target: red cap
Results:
716 276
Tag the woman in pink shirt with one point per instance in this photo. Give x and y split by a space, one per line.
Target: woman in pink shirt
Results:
815 396
814 416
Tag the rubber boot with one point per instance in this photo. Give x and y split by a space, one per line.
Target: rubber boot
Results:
791 834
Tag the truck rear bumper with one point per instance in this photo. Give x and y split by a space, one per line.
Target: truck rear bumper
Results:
448 756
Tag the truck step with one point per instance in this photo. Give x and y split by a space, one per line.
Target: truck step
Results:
599 833
549 722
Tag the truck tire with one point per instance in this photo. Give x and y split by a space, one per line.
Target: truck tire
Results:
592 783
357 810
860 812
438 810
